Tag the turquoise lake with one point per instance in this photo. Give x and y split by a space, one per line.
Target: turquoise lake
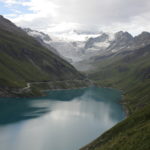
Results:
63 120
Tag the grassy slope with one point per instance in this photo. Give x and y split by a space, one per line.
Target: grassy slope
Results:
23 59
131 73
131 134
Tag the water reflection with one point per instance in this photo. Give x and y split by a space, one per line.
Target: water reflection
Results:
63 125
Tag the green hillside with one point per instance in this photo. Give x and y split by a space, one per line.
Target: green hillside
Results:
23 59
131 134
130 72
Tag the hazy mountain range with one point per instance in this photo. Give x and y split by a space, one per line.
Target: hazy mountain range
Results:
102 45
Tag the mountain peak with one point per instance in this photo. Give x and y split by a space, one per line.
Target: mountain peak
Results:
7 25
4 21
142 39
1 16
37 34
102 38
122 34
144 34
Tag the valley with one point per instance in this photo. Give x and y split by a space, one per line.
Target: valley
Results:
34 64
23 60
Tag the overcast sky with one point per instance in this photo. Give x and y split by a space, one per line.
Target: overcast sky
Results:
61 16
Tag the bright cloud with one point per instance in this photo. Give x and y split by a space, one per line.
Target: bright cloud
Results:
58 16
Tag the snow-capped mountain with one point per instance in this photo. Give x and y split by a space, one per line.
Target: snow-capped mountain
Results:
101 44
121 40
107 43
141 40
70 51
38 35
100 41
43 38
121 43
98 45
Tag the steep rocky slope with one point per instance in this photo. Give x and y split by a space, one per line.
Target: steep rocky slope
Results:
43 38
23 59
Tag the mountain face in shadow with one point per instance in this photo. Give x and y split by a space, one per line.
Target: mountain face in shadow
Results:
24 59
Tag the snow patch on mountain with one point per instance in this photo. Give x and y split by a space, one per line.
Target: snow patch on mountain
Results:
68 50
86 45
101 45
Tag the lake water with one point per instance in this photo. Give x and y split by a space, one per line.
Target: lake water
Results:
63 120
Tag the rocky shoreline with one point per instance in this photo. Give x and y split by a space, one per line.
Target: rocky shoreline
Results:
38 89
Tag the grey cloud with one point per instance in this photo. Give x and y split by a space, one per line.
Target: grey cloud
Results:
107 11
95 15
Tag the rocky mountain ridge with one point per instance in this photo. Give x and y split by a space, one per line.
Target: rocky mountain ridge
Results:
102 45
